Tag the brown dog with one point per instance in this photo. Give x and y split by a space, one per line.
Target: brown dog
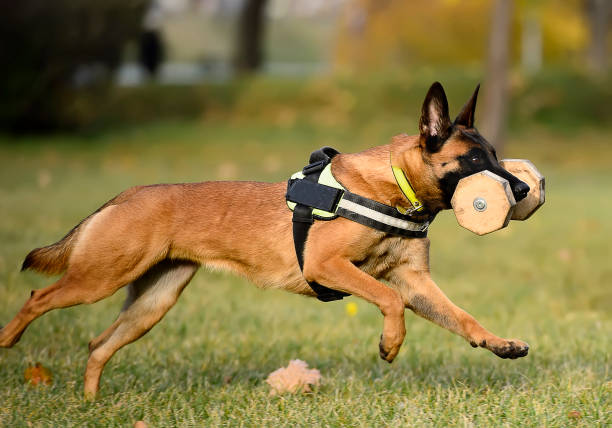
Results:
154 238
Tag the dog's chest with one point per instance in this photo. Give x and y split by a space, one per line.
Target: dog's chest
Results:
384 255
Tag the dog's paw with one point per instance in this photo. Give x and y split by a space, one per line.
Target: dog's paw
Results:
5 341
509 348
387 353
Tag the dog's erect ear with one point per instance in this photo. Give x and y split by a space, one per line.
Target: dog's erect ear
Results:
466 117
435 123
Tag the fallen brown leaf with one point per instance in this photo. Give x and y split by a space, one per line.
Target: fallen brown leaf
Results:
38 374
296 377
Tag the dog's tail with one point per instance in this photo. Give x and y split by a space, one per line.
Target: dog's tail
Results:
52 259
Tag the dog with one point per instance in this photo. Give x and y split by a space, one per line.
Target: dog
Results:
153 239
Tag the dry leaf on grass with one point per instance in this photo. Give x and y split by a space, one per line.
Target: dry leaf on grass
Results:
37 374
296 377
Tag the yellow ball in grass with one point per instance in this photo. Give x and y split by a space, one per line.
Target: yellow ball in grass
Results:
351 309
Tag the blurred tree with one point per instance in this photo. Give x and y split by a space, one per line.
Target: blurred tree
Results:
531 38
49 49
375 33
151 47
151 51
564 31
495 103
391 33
251 26
598 13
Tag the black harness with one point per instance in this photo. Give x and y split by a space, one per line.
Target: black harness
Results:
308 194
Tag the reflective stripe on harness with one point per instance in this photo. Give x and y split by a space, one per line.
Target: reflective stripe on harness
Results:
364 211
314 194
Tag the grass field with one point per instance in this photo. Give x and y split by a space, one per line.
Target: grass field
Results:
546 281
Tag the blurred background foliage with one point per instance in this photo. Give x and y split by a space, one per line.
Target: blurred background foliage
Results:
77 65
455 32
52 51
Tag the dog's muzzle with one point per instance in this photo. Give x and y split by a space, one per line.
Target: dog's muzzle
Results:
520 191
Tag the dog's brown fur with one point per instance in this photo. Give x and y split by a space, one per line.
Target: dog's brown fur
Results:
154 238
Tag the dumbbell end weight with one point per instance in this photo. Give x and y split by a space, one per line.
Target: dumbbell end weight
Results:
526 171
483 202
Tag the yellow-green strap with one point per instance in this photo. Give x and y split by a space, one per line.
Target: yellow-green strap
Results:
406 188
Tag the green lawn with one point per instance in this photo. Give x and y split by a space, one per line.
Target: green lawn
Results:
546 281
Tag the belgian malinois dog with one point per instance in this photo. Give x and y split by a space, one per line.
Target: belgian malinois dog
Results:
154 238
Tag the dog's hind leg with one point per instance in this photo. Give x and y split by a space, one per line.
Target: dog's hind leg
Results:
71 289
35 306
77 286
74 288
111 250
149 299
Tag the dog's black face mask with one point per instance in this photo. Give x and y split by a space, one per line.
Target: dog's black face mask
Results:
457 150
479 157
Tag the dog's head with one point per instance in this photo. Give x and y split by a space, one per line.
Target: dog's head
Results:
453 150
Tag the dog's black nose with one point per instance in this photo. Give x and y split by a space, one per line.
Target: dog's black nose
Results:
520 190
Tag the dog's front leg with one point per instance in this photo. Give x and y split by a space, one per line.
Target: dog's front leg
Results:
340 274
421 294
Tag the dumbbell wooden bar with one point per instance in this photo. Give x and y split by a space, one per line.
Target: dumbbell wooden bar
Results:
484 203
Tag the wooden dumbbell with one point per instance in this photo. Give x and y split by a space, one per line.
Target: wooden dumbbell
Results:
525 171
483 202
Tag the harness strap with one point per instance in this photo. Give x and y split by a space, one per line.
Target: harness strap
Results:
303 217
354 207
379 216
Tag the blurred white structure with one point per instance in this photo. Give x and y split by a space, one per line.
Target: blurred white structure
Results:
199 39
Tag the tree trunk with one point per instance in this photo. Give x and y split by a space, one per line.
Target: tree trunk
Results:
496 85
598 14
249 52
531 42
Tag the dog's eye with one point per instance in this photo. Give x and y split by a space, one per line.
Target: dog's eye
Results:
476 158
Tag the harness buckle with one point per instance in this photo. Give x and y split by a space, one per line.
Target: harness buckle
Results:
408 211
